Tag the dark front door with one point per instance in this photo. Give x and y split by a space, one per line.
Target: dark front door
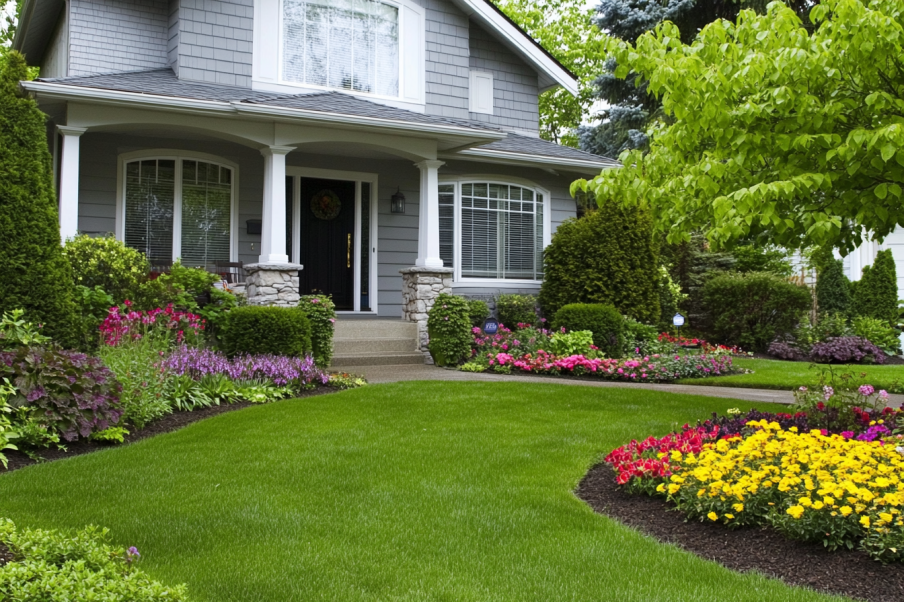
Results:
327 239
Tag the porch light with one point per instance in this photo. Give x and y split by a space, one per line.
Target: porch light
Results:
398 201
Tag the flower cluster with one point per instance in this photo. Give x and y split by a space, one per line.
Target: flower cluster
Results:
681 341
279 370
122 326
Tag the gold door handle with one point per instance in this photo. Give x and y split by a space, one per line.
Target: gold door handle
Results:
348 257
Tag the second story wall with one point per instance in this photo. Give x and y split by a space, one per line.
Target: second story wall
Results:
447 59
215 41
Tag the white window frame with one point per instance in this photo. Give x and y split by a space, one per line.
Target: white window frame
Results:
457 181
475 100
267 60
178 156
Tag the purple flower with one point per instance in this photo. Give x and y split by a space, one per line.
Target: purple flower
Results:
133 551
867 390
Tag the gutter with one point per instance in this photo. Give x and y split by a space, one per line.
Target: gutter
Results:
522 158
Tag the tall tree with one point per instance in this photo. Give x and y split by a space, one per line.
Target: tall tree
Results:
9 10
778 132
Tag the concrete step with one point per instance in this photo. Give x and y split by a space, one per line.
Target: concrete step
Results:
374 329
377 359
356 345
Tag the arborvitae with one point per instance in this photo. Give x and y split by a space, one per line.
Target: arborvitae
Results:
876 295
34 273
833 289
607 256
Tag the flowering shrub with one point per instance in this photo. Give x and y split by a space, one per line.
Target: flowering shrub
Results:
680 340
69 392
845 350
126 326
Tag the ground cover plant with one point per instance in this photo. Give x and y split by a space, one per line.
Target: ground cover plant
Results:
409 491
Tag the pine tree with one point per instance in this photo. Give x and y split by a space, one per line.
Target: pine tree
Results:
34 273
876 295
833 289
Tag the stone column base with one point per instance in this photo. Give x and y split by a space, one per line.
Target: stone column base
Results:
272 284
420 288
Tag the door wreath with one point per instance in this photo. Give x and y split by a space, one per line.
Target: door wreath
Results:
326 205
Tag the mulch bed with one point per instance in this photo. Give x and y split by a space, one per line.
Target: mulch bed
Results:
851 574
5 555
167 424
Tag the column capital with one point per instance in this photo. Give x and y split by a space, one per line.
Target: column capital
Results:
67 130
429 164
269 151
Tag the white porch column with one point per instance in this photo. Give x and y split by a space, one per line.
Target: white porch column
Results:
428 225
273 228
68 192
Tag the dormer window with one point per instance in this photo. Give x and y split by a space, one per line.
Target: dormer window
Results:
344 44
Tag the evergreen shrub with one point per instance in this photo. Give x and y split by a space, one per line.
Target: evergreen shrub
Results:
751 310
260 330
876 294
607 256
449 329
514 309
109 264
321 313
833 289
478 312
34 273
604 321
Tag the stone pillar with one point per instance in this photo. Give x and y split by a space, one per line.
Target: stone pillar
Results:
272 284
420 288
273 227
428 224
68 193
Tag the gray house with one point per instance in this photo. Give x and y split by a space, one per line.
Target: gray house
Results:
355 138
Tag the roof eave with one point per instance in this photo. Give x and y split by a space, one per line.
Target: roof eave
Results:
510 158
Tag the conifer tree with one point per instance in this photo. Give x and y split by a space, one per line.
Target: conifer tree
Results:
833 289
876 294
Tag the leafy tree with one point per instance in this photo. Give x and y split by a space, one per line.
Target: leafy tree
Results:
35 275
876 294
9 10
566 30
778 133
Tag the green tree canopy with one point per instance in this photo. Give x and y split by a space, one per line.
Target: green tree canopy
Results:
778 132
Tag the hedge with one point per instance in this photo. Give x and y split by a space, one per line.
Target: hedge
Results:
255 329
604 321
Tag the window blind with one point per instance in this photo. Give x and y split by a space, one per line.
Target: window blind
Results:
206 213
346 44
149 207
447 224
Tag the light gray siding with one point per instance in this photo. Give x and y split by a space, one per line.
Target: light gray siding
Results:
172 42
447 59
117 35
215 41
56 57
515 84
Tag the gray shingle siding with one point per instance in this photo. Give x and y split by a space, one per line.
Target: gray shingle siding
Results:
215 41
172 44
515 85
117 35
447 59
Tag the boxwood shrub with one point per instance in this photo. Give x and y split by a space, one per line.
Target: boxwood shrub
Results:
478 312
256 329
321 313
513 309
449 329
604 321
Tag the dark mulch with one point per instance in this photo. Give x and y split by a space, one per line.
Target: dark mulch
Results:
169 423
847 573
5 555
890 360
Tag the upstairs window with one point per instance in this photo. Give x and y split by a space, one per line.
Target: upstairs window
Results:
344 44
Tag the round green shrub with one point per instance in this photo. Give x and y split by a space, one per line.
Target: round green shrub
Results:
833 289
876 294
321 312
255 329
34 273
108 263
607 256
449 329
513 309
753 309
478 312
604 321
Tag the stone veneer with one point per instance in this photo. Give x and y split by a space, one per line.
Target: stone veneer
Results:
272 284
420 288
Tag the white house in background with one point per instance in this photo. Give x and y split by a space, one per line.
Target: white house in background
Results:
283 133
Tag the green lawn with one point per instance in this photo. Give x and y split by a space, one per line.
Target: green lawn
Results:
777 374
411 491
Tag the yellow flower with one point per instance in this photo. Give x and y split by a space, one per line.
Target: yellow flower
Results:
712 516
864 520
795 511
886 517
738 507
805 502
661 488
818 505
673 488
828 501
845 510
729 516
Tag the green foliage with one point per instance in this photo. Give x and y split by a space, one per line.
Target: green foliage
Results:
833 289
474 366
449 329
607 256
35 275
670 298
107 263
16 332
478 312
691 264
876 294
640 338
775 131
575 342
877 332
58 567
7 432
752 310
221 303
92 306
344 380
114 434
255 329
604 321
514 309
144 385
750 258
321 312
194 281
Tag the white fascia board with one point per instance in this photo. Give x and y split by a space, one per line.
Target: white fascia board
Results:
518 40
183 105
507 158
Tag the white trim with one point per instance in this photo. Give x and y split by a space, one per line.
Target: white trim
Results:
511 158
481 103
178 156
493 179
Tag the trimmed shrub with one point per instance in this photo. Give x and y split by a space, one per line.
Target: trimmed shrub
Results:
876 294
35 275
69 392
513 309
449 329
257 330
833 289
107 263
847 350
321 313
607 256
604 321
478 312
752 310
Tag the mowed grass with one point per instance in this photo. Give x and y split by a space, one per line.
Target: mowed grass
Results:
778 374
411 491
